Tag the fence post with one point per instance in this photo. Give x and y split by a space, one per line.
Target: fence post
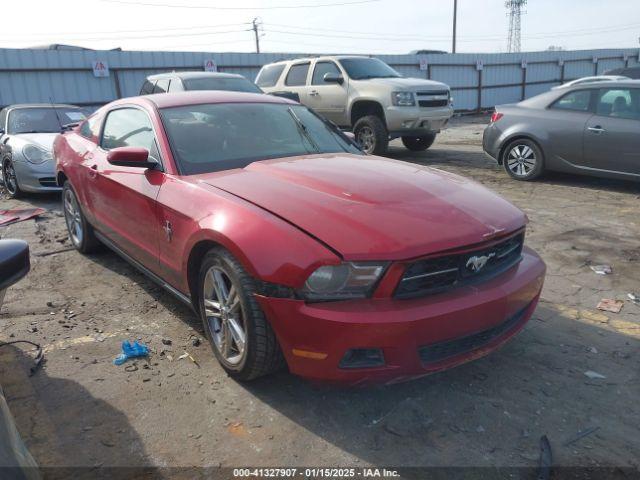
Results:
523 86
428 71
116 82
479 90
595 65
562 73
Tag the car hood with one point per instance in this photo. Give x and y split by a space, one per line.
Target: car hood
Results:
413 84
367 207
44 140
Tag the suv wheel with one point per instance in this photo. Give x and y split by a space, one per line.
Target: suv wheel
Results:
80 230
239 333
371 135
418 144
523 160
9 178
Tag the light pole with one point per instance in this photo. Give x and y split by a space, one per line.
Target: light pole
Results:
455 18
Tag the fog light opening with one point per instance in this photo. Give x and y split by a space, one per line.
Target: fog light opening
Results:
362 358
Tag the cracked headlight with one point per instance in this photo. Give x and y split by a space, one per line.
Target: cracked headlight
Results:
344 281
403 99
35 154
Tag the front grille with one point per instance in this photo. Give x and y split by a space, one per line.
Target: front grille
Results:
435 275
48 182
434 92
433 103
437 352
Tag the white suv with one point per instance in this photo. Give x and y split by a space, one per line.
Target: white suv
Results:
365 95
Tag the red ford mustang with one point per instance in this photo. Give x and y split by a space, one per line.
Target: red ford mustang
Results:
290 244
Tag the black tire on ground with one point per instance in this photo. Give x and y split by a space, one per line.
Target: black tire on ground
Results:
83 239
418 144
10 185
262 353
371 134
523 159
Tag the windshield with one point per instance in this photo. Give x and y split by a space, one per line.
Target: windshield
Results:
221 83
363 68
224 136
42 120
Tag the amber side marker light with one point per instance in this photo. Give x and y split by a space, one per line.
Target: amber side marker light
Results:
308 354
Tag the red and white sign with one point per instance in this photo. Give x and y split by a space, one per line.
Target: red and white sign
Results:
210 66
100 68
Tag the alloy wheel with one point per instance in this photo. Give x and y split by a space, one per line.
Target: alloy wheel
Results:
366 138
224 315
9 177
72 217
521 160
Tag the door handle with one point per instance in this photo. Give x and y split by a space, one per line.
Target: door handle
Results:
313 93
597 129
93 171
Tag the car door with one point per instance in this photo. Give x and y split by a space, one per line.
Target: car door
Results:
564 122
612 135
295 80
329 99
124 198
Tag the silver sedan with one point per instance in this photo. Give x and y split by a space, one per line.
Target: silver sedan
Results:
589 128
26 138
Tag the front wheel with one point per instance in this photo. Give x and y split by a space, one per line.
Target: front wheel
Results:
241 337
523 160
419 144
371 134
10 179
80 230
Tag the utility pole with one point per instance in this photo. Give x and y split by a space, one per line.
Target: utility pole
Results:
515 11
455 18
255 31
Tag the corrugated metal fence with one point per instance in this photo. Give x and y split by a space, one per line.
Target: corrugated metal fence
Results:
478 81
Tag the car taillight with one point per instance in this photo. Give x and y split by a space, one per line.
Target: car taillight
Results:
496 116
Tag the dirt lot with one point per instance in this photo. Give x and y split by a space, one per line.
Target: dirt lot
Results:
81 410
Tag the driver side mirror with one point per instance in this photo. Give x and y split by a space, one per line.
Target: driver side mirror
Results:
1 131
131 157
14 263
333 78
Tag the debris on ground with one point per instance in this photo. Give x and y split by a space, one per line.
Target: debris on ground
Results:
188 355
546 459
594 375
8 217
581 434
196 342
601 269
39 358
166 341
634 297
610 305
131 351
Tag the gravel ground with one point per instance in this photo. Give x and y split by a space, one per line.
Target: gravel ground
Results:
80 410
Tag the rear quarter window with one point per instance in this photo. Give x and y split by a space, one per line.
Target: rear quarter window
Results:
297 75
147 88
269 75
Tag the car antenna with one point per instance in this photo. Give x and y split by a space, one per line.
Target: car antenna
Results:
55 110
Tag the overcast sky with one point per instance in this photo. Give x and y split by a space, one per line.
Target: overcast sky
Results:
340 26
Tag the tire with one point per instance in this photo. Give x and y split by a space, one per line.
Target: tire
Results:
80 231
9 179
259 353
523 160
371 134
419 144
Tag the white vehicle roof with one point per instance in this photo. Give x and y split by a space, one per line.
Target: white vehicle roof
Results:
592 79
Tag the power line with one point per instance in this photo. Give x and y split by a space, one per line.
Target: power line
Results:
208 7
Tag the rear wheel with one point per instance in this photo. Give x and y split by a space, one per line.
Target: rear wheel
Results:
10 179
523 160
80 230
371 134
418 144
240 335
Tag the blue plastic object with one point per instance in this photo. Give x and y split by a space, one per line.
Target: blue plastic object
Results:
131 351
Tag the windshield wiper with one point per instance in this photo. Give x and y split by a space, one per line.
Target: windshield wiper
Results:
303 129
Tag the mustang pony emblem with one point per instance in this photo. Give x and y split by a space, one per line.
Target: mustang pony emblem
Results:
475 263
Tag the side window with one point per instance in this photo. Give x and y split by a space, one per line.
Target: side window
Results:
621 103
297 75
129 127
269 75
577 101
175 85
147 88
162 85
321 69
90 128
